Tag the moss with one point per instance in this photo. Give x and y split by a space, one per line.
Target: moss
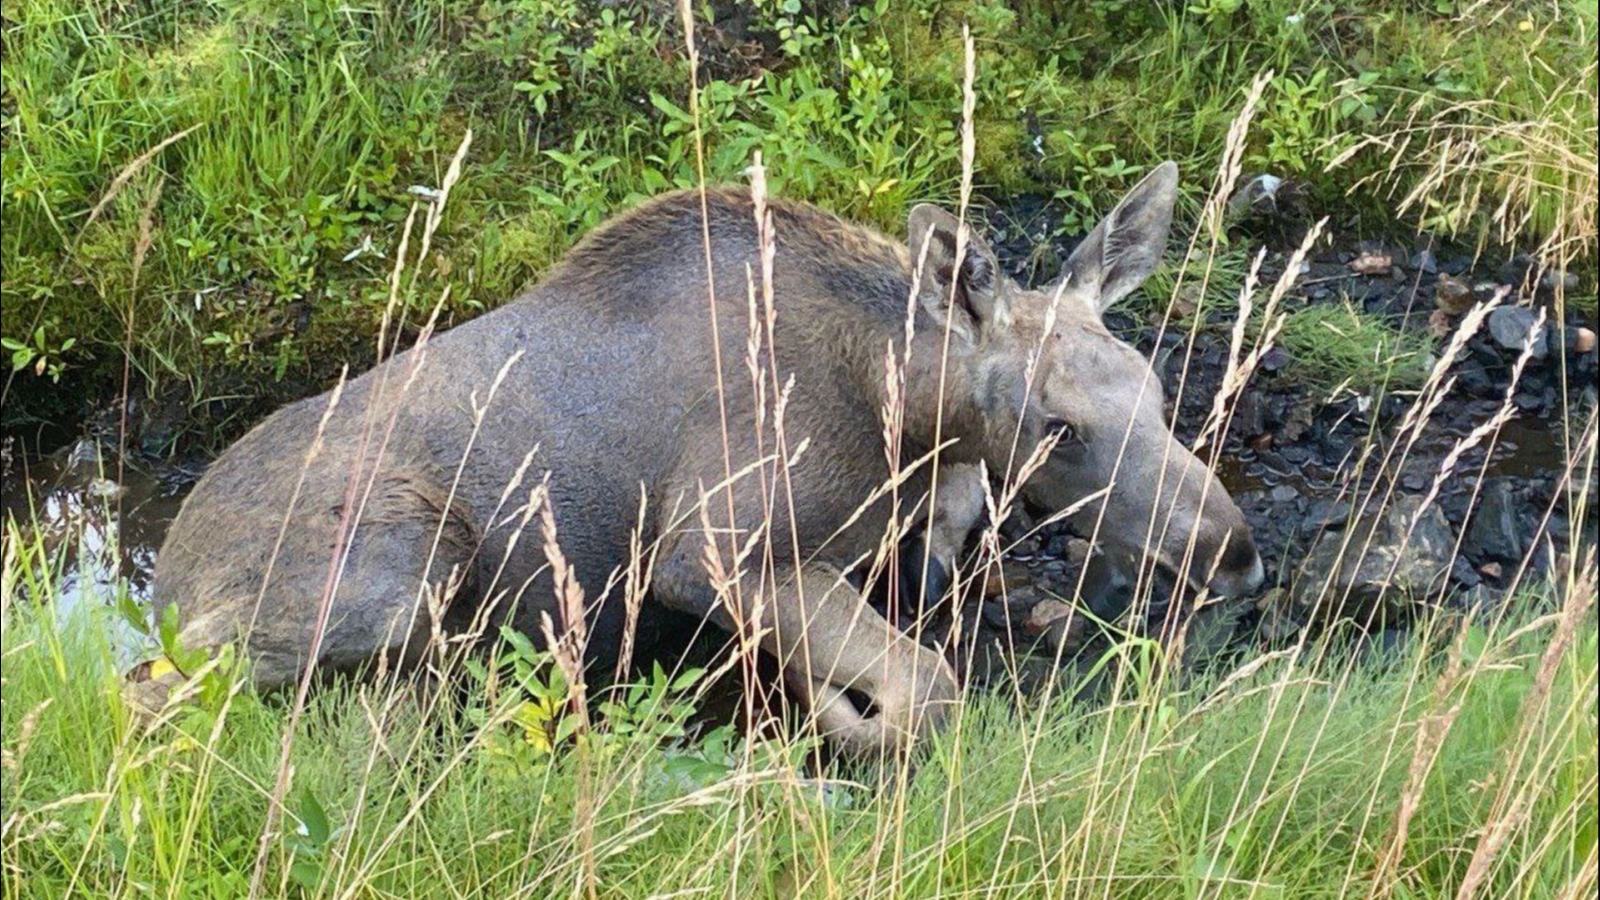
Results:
1002 155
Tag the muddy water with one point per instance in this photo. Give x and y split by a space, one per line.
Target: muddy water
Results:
99 526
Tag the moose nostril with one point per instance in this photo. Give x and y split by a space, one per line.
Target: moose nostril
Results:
1258 574
1241 556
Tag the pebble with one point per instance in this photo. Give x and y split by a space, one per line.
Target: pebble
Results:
1044 614
1326 513
1464 574
1510 326
1439 324
1372 263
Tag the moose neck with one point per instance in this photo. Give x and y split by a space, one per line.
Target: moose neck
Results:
940 397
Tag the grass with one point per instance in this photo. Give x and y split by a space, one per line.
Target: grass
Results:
1282 778
313 121
1337 344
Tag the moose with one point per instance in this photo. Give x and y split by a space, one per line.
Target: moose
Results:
620 384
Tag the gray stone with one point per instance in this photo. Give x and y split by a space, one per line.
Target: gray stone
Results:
1510 326
1495 532
1327 513
1383 567
1258 196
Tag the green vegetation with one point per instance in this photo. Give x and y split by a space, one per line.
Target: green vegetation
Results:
249 256
1286 778
1338 344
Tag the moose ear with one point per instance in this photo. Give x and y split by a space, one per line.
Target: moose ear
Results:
1122 251
976 288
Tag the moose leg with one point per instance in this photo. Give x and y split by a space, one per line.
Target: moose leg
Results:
870 687
392 574
932 557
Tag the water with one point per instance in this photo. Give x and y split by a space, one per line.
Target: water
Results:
99 528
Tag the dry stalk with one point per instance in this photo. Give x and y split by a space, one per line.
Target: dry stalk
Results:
1510 807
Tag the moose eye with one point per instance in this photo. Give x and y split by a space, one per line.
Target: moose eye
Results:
1062 431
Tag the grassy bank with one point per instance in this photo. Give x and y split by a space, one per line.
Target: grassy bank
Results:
1463 756
214 191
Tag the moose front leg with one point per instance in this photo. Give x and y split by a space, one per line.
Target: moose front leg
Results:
932 556
870 688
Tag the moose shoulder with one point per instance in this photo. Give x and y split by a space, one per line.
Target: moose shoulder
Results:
324 532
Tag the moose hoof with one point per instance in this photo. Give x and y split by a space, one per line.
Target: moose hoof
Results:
912 702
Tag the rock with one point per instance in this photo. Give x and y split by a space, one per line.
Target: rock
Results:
1249 419
1564 282
1372 262
1462 572
1284 493
1510 328
1296 422
1379 569
1280 619
1479 597
1583 340
1028 547
1495 532
1474 379
1062 627
1056 546
1044 614
1440 324
1520 272
1517 270
1077 553
1484 291
1326 513
1019 523
996 616
1491 570
1275 359
1013 575
1425 261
